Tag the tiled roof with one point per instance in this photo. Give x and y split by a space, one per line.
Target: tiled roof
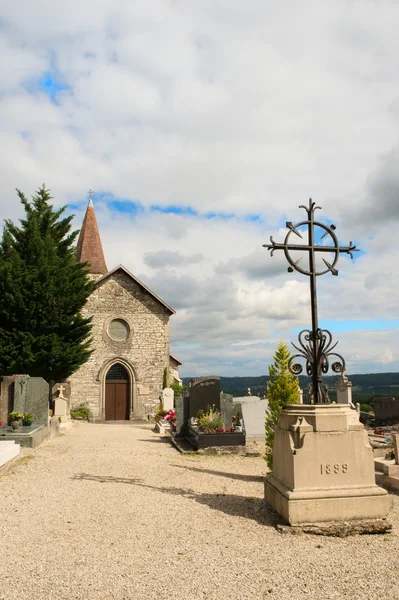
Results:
89 248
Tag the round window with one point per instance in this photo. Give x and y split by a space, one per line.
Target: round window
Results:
118 330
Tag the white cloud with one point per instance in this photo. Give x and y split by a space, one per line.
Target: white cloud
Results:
227 107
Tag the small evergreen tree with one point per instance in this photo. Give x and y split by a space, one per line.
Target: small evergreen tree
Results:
42 291
165 378
283 389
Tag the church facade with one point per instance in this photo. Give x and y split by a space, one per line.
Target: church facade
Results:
123 378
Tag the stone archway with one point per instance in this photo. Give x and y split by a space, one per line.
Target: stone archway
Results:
117 396
117 390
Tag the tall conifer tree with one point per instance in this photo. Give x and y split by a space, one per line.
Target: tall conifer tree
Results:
283 389
42 291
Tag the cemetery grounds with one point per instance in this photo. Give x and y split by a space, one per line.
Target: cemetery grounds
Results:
108 512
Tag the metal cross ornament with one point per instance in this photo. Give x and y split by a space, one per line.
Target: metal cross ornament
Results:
315 345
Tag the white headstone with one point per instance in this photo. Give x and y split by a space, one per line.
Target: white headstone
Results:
253 415
60 407
167 398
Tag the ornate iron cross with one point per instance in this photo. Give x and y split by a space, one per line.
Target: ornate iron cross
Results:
315 345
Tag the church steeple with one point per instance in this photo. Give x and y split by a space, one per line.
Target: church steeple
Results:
89 248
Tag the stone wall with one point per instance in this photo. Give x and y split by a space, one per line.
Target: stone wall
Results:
145 353
173 376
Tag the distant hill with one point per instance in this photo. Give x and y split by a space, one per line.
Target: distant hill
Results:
365 387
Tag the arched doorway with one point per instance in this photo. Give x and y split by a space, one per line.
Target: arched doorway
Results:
117 393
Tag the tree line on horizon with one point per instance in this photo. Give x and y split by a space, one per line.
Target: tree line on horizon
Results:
364 386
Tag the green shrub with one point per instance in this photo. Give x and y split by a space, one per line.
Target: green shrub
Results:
366 408
283 390
82 412
165 378
177 388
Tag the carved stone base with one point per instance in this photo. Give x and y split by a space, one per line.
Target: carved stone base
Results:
339 528
323 468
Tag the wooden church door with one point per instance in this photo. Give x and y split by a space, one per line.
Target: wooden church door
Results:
117 394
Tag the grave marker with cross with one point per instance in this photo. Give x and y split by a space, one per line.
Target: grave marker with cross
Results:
316 345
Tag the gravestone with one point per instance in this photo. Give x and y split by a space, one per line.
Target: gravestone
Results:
167 398
6 397
61 393
179 408
204 392
31 395
227 408
253 415
395 440
386 408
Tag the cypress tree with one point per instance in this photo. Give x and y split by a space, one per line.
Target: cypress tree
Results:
283 389
42 291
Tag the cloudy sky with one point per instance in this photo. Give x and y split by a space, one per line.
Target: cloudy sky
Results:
201 126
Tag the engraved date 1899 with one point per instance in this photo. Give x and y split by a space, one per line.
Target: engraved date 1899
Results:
329 469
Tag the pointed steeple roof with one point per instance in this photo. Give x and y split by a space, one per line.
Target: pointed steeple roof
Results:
89 248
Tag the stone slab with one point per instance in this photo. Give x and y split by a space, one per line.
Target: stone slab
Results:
386 466
391 482
27 437
162 428
339 529
8 450
253 416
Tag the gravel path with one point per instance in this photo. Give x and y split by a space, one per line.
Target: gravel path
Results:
112 512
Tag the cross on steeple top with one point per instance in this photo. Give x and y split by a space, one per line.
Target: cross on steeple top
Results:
90 192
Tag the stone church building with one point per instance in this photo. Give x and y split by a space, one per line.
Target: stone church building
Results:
130 329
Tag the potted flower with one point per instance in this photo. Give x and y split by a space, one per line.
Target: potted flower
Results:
171 419
27 419
15 418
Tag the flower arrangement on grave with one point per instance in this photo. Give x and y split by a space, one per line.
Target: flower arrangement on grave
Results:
171 416
160 413
27 419
171 419
210 421
15 415
15 418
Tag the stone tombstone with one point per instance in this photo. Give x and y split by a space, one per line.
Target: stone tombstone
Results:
203 391
31 395
61 393
167 398
227 408
6 397
395 440
179 408
253 415
386 408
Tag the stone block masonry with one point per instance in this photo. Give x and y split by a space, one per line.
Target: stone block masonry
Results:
144 353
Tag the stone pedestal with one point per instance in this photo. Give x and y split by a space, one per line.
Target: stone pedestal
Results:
323 468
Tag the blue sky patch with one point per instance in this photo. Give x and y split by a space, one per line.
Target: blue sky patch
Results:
50 83
344 326
174 209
